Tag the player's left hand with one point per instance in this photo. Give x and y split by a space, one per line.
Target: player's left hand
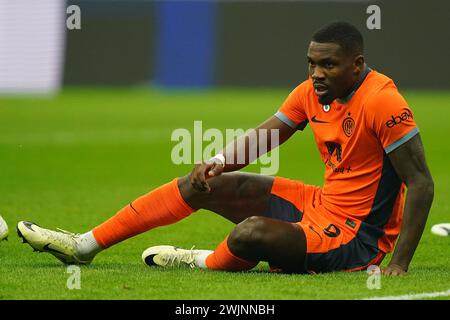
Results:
394 270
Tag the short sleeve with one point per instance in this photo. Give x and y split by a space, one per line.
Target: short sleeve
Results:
391 119
292 110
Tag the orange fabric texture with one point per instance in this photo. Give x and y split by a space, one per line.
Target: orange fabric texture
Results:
160 207
315 217
353 139
223 259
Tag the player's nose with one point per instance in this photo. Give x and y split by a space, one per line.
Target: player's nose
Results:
317 73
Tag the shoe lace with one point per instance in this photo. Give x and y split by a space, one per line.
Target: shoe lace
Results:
71 234
179 257
64 238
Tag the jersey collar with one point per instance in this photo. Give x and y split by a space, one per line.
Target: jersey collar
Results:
361 79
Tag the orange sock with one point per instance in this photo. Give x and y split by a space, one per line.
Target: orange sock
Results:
223 259
160 207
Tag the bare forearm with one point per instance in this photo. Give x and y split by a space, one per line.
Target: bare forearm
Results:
247 148
255 143
418 202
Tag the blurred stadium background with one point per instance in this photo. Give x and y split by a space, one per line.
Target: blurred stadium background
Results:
209 43
86 117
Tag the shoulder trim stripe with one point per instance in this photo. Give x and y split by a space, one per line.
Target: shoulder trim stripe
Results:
280 115
401 141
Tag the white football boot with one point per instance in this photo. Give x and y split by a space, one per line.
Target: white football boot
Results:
4 231
170 256
61 244
441 229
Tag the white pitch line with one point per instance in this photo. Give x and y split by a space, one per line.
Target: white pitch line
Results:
413 296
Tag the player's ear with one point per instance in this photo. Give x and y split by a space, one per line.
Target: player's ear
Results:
358 63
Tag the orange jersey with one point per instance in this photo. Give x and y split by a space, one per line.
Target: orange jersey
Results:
354 138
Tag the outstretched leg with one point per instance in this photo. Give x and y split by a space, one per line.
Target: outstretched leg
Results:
235 196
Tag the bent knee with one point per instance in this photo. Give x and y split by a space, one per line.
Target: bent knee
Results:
200 199
189 193
248 234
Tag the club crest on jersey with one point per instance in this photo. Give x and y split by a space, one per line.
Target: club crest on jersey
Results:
348 125
326 107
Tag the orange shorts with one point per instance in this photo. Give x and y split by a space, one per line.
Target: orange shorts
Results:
332 241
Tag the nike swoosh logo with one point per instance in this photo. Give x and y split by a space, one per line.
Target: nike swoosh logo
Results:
446 229
313 119
47 248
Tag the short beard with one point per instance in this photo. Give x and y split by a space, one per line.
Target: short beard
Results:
326 100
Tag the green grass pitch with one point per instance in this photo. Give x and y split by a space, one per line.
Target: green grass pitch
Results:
73 160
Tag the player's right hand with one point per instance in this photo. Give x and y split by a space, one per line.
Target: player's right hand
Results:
204 171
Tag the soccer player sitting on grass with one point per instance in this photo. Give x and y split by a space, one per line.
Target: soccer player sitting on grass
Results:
372 151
